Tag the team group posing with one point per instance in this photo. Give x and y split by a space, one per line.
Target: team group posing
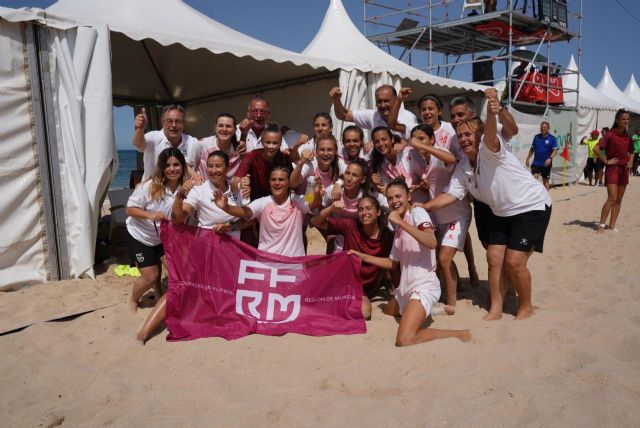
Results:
401 206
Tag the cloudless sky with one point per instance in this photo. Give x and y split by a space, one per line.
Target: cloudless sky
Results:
610 32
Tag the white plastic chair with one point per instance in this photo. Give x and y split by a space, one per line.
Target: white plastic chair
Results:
472 4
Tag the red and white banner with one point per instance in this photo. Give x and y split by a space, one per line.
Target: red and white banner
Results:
219 286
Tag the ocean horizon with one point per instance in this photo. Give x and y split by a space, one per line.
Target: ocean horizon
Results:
126 164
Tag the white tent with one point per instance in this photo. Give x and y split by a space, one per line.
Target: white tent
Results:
339 39
65 67
58 152
608 87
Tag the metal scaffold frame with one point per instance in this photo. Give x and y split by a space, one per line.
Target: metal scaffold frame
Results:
436 27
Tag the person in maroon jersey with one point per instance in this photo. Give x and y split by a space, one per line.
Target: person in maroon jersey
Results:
618 150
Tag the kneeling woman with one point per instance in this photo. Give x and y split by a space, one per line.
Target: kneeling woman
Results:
367 233
280 215
149 203
414 251
520 205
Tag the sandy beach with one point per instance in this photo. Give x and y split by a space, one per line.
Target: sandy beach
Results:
576 362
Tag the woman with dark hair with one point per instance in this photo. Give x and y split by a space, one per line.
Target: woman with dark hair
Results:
413 251
150 203
353 144
199 199
325 165
618 158
387 165
225 140
322 124
367 232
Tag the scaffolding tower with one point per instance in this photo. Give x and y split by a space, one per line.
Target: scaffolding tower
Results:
454 33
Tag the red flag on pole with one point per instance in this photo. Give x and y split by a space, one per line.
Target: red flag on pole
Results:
565 153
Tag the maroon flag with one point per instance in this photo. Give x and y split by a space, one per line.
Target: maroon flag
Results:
219 286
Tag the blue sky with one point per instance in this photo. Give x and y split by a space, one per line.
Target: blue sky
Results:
608 33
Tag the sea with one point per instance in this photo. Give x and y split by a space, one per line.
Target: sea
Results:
126 164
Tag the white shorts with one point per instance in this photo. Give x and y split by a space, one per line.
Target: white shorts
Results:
427 296
453 234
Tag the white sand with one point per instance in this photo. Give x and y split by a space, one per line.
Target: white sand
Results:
575 363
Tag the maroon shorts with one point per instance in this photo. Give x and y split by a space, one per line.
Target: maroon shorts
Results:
616 174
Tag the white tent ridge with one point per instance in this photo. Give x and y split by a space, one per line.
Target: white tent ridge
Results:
608 87
632 90
339 39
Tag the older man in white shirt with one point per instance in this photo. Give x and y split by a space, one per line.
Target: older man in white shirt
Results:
171 136
370 119
251 128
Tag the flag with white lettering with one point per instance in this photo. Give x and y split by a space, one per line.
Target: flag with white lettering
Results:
219 286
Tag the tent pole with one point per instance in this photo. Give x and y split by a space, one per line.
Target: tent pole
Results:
47 149
157 71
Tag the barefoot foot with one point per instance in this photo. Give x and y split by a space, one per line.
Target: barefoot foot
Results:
523 314
492 316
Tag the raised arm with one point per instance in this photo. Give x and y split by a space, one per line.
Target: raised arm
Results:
425 237
241 212
491 140
296 175
139 123
320 220
392 122
426 149
340 110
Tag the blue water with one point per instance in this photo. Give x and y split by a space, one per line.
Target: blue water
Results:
127 163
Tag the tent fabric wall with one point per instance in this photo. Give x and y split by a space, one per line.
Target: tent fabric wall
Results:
84 126
23 258
78 80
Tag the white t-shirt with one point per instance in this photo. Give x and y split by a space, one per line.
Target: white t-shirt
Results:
417 263
281 225
156 141
446 138
500 181
439 176
145 230
310 169
207 212
370 119
255 142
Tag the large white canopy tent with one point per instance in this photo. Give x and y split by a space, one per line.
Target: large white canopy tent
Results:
65 67
339 39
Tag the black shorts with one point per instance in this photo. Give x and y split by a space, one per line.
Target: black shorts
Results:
142 255
544 171
482 214
599 165
520 232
